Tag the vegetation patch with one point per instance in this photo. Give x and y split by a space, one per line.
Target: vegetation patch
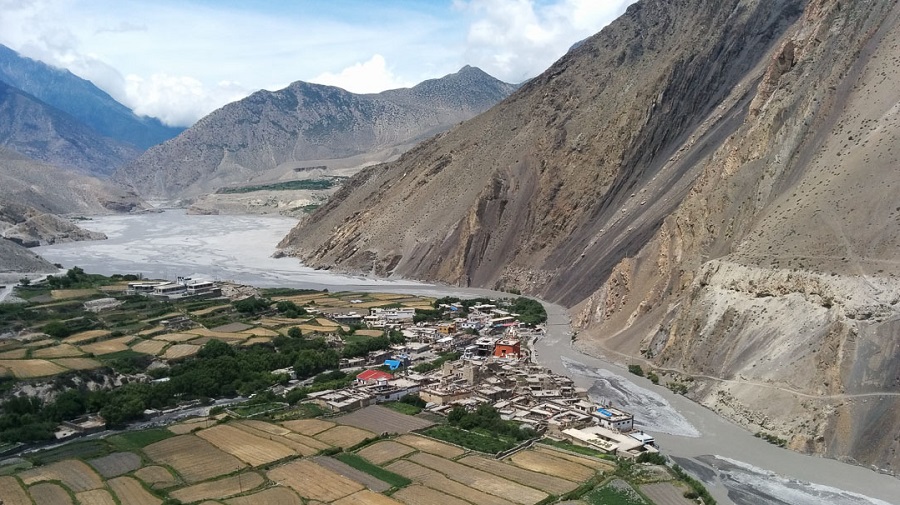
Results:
133 440
617 492
304 184
379 473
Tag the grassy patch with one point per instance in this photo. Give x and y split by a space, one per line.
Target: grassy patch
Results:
271 292
133 440
475 440
259 408
587 451
611 494
76 450
379 473
301 411
305 184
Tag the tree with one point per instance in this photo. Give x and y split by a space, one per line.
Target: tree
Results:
294 332
25 281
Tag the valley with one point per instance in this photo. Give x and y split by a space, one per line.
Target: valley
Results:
700 437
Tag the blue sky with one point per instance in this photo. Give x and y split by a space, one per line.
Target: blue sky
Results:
180 60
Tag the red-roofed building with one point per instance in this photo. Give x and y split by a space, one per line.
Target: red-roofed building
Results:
370 377
507 348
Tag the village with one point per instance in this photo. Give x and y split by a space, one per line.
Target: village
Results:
493 366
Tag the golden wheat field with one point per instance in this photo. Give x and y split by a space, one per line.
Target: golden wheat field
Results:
193 458
382 452
249 448
29 368
314 482
270 496
218 489
343 436
129 490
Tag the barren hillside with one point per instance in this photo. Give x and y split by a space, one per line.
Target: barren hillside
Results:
708 184
271 136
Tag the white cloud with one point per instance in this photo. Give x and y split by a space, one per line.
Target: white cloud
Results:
178 100
182 57
371 76
517 39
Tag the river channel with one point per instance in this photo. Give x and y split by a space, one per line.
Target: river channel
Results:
736 467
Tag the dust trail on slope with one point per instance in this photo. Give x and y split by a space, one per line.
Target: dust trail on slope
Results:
651 411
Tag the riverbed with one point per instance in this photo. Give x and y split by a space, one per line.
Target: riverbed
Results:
737 467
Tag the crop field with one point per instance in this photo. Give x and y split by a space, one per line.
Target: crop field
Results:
418 494
28 368
255 340
57 351
217 489
86 336
156 477
382 452
308 426
378 419
270 496
304 449
313 481
96 497
551 465
249 448
14 354
369 333
12 492
431 446
193 458
189 425
366 497
68 294
440 482
108 346
343 436
76 475
37 344
152 347
181 351
117 463
354 474
50 493
176 337
481 480
554 485
261 332
604 466
78 363
130 491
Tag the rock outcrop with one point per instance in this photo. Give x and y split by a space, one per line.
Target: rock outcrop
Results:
710 186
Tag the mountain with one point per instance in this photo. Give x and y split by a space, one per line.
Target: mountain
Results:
82 100
34 195
708 185
307 125
42 132
17 259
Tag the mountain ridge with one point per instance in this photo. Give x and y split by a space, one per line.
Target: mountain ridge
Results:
82 100
246 140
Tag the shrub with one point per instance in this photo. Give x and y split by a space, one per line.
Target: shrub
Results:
636 369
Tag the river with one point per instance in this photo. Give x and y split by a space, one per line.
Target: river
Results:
736 467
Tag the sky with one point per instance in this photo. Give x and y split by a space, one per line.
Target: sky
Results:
179 60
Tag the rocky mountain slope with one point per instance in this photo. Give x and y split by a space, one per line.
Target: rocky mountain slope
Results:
34 195
82 100
269 136
16 259
709 184
42 132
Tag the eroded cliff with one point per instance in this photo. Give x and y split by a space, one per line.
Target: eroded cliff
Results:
710 186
